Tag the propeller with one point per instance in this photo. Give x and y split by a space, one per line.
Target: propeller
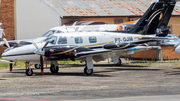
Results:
41 57
45 45
6 42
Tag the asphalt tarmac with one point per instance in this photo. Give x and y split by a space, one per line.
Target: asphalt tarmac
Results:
141 82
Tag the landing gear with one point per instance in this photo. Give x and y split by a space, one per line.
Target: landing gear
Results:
37 66
29 72
88 71
119 63
54 69
116 60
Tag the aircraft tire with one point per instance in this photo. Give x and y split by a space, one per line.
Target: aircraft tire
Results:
37 66
119 63
88 71
29 72
54 69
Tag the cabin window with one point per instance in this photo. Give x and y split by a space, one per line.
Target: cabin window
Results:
78 40
62 40
52 39
92 39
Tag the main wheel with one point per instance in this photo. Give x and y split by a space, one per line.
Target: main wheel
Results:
54 69
29 72
119 63
88 71
37 66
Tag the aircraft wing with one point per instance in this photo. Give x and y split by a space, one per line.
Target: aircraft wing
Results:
93 52
21 42
156 38
4 61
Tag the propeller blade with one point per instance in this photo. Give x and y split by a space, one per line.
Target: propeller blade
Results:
42 65
35 45
6 42
45 45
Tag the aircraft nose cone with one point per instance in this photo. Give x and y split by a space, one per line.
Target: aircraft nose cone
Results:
39 52
177 49
3 55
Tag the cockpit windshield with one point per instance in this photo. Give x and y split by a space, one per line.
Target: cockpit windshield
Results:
51 39
48 33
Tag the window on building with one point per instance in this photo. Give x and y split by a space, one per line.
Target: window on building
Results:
117 21
62 40
78 40
92 39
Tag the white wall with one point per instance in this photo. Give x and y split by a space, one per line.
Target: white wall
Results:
33 18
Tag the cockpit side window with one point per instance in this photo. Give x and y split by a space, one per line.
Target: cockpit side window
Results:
59 32
48 33
62 40
52 39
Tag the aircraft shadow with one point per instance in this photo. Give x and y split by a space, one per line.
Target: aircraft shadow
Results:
95 73
100 65
132 69
173 73
67 74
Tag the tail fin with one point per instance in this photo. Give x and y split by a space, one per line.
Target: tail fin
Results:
155 19
1 31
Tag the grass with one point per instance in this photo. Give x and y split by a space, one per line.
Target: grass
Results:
135 63
6 65
22 63
70 62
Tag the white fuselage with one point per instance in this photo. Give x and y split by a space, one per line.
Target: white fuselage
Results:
26 52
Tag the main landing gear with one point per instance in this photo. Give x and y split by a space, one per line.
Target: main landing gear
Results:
37 66
54 67
117 61
88 70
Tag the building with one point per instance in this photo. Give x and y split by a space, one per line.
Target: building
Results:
25 19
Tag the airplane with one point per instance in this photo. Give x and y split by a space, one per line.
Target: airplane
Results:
3 61
57 30
61 29
177 48
97 46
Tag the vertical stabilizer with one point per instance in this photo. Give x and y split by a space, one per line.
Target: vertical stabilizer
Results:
155 19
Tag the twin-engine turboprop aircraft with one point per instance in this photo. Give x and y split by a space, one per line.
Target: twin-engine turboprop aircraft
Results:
2 61
97 46
61 29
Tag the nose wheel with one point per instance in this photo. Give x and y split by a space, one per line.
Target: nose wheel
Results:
54 69
29 72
